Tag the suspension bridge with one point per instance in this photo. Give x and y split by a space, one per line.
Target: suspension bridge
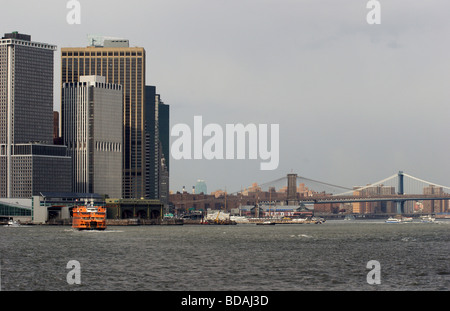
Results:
398 188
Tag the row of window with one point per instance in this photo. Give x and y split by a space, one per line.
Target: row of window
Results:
103 53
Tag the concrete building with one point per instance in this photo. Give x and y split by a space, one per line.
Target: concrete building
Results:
123 65
28 161
37 168
434 206
92 130
374 207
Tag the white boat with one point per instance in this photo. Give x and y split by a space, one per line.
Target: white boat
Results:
427 219
392 220
12 223
265 223
407 219
239 219
298 220
349 217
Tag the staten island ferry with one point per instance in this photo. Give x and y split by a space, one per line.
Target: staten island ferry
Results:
89 217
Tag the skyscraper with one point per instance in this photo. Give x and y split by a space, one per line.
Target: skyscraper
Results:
152 142
26 120
119 64
92 131
200 187
157 145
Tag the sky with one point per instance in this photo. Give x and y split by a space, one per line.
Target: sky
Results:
355 102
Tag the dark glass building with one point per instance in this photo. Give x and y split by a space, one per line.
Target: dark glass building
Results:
157 147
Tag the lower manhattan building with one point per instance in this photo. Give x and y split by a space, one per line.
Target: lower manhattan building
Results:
39 168
120 64
157 125
29 163
92 113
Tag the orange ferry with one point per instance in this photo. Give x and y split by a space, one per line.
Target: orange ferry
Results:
89 217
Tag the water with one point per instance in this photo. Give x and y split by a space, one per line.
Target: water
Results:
332 256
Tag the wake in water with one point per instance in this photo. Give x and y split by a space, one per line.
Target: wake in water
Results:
93 231
301 236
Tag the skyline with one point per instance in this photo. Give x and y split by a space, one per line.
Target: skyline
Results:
354 101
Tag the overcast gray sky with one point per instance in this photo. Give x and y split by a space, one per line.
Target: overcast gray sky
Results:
355 102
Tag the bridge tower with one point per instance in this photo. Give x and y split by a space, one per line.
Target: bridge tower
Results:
292 189
401 191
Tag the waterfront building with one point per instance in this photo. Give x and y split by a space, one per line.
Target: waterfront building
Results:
374 207
38 167
92 131
119 64
28 161
435 206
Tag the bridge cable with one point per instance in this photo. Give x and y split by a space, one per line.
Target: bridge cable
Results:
371 185
424 181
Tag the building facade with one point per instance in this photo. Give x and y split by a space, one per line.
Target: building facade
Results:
435 206
122 65
26 119
92 131
38 168
157 145
374 207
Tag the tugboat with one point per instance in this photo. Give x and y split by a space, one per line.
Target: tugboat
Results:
89 217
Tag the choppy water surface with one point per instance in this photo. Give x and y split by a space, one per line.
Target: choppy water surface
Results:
332 256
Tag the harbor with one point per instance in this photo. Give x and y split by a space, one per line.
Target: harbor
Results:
239 257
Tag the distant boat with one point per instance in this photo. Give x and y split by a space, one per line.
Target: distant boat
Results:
427 219
266 223
12 223
349 217
392 220
407 219
239 219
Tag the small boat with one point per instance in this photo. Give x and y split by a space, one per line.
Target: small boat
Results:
89 217
318 220
392 220
407 219
427 219
12 223
265 223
